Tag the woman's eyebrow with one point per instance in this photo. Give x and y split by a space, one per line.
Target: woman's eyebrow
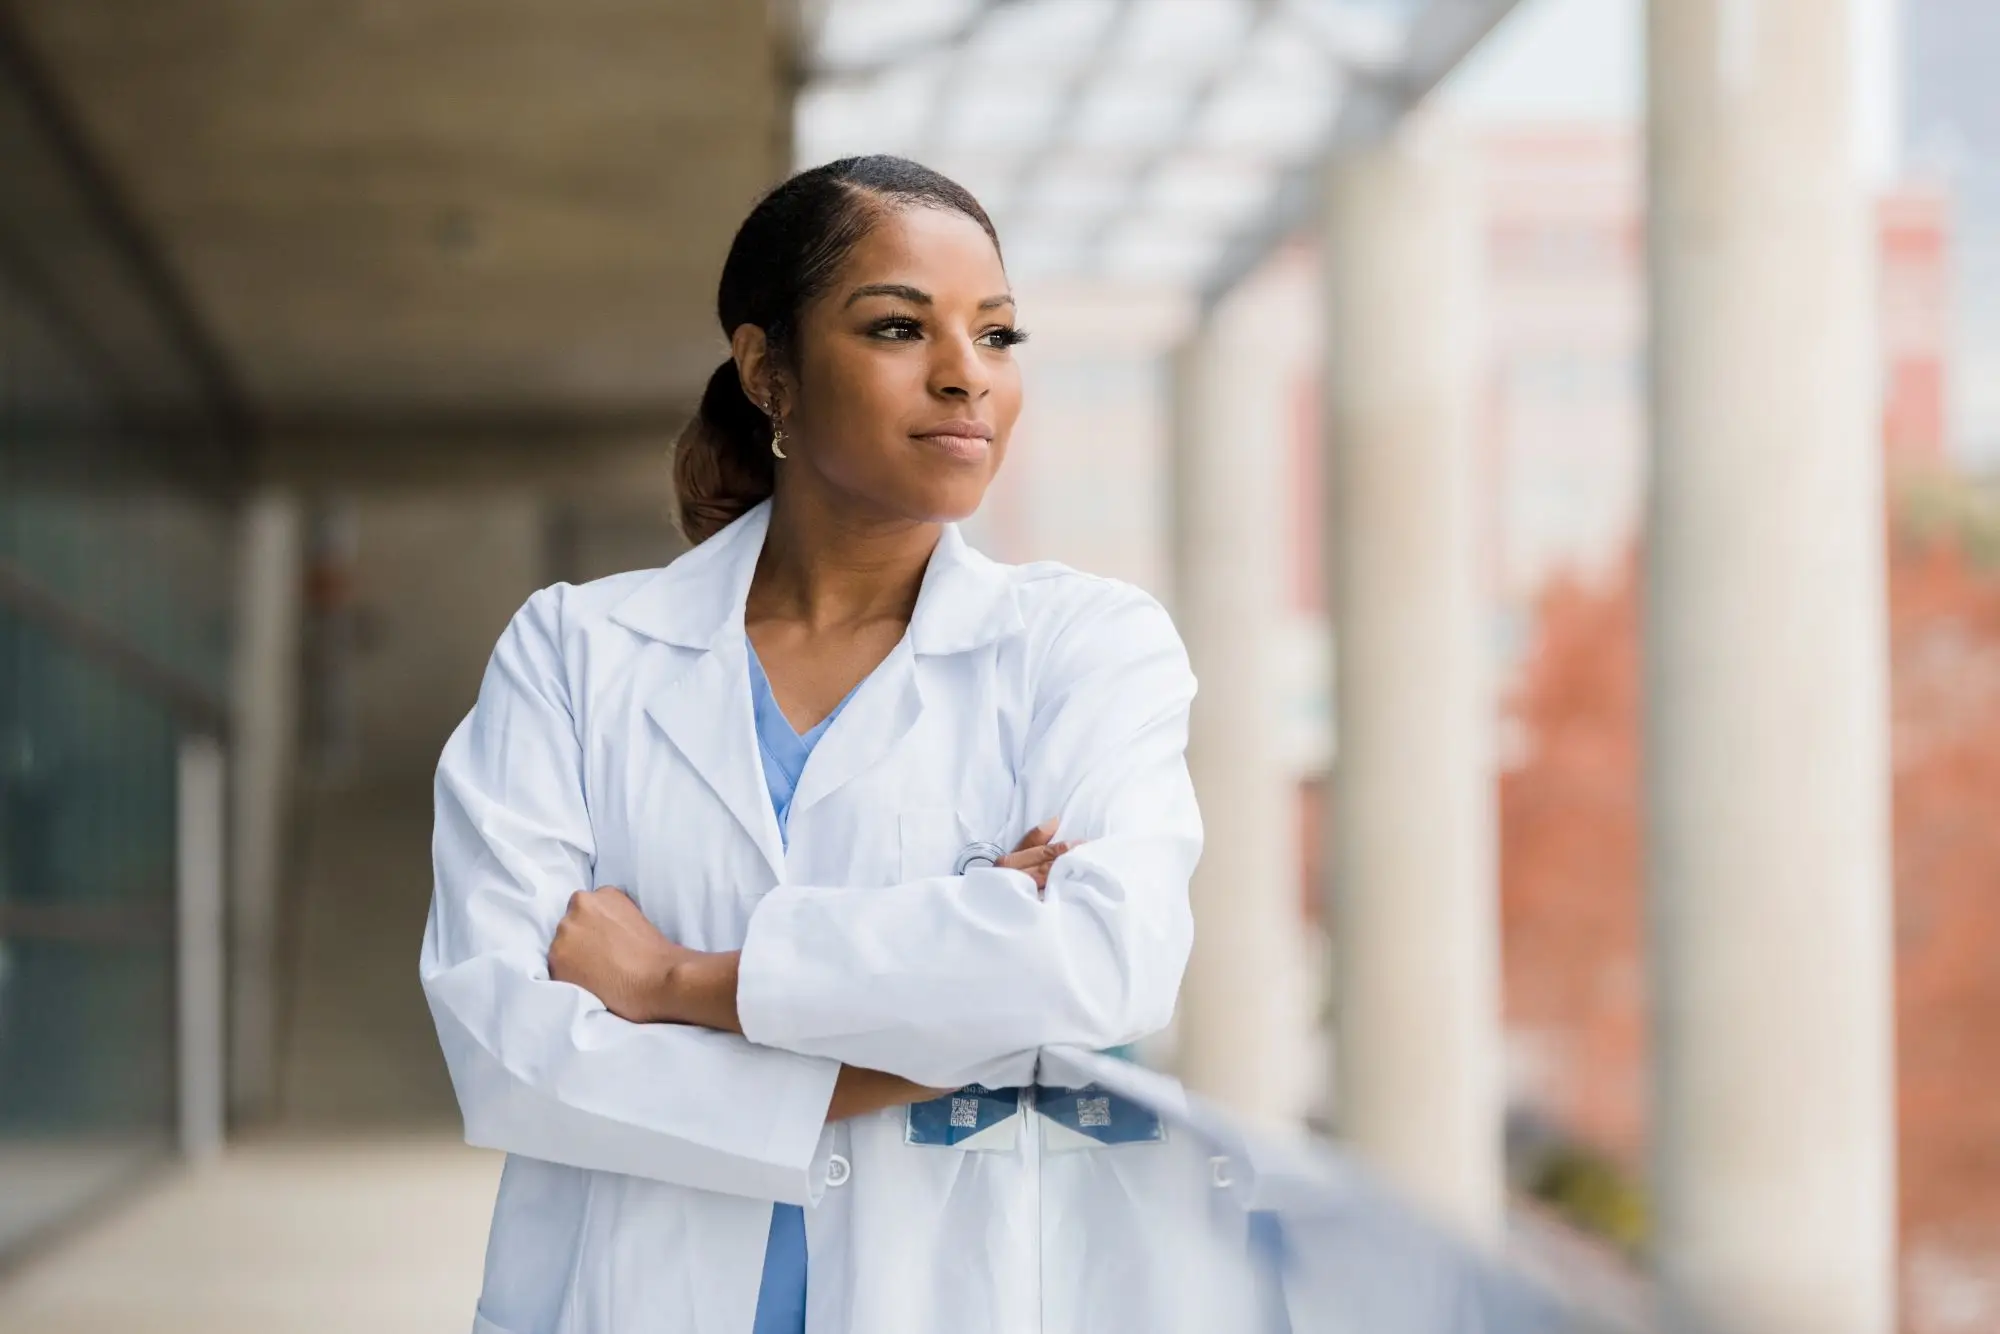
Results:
914 295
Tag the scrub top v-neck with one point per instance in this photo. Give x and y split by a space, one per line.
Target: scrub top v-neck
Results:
781 1298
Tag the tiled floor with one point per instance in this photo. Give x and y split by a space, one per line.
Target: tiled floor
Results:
359 1236
50 1177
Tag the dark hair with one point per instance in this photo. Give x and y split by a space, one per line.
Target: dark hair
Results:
785 254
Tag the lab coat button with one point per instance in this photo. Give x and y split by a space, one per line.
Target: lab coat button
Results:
837 1171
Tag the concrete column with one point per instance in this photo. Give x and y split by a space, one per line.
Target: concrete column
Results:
264 733
1417 1071
1766 763
201 857
1244 1029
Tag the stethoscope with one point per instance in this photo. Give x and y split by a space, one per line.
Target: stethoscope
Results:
977 854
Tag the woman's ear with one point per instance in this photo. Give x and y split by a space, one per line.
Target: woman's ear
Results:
756 368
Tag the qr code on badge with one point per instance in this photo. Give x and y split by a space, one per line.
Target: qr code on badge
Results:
1093 1111
965 1113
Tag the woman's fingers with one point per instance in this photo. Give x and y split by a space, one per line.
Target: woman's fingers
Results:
1036 853
1028 859
1038 836
1036 862
607 946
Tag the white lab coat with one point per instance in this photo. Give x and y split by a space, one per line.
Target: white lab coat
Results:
612 744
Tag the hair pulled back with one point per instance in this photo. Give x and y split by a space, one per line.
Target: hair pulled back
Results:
785 254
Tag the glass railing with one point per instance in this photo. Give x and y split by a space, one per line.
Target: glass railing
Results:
1208 1227
88 777
114 459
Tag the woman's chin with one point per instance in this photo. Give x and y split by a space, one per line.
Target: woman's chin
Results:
955 512
945 495
949 504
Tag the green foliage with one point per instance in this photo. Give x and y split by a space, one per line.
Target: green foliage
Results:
1935 507
1593 1193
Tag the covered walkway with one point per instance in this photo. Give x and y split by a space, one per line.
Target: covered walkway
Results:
329 332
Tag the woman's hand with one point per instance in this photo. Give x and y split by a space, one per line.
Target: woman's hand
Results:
605 945
1035 855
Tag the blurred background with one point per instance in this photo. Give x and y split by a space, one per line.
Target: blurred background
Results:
1591 557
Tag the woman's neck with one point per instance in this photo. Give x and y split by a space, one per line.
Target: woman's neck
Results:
823 568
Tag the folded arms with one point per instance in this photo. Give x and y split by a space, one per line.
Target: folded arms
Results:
929 984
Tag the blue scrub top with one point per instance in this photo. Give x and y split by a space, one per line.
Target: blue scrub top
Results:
781 1300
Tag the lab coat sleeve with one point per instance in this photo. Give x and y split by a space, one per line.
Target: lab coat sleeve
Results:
957 979
540 1067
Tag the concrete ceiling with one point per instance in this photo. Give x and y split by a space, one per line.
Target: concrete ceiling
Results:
400 211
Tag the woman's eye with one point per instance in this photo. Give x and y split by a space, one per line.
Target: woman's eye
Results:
1004 337
899 329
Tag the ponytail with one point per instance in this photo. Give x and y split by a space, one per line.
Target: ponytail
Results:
723 465
786 253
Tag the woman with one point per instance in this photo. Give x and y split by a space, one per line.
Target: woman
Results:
801 961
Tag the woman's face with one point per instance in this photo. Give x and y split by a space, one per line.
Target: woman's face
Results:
905 386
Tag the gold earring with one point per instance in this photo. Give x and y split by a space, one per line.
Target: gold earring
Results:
777 430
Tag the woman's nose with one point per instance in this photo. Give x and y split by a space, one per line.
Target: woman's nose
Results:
957 371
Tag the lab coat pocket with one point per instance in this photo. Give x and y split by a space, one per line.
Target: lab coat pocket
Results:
538 1253
930 841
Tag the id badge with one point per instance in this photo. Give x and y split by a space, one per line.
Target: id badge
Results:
974 1119
1090 1118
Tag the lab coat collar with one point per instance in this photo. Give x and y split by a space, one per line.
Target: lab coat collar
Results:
966 602
700 595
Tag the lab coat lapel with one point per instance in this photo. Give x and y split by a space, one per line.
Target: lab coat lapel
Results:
697 603
884 708
966 601
706 714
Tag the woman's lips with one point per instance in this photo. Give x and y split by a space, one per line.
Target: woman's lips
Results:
964 440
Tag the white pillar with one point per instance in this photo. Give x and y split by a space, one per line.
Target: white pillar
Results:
1414 918
200 853
1244 1029
264 732
1765 754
